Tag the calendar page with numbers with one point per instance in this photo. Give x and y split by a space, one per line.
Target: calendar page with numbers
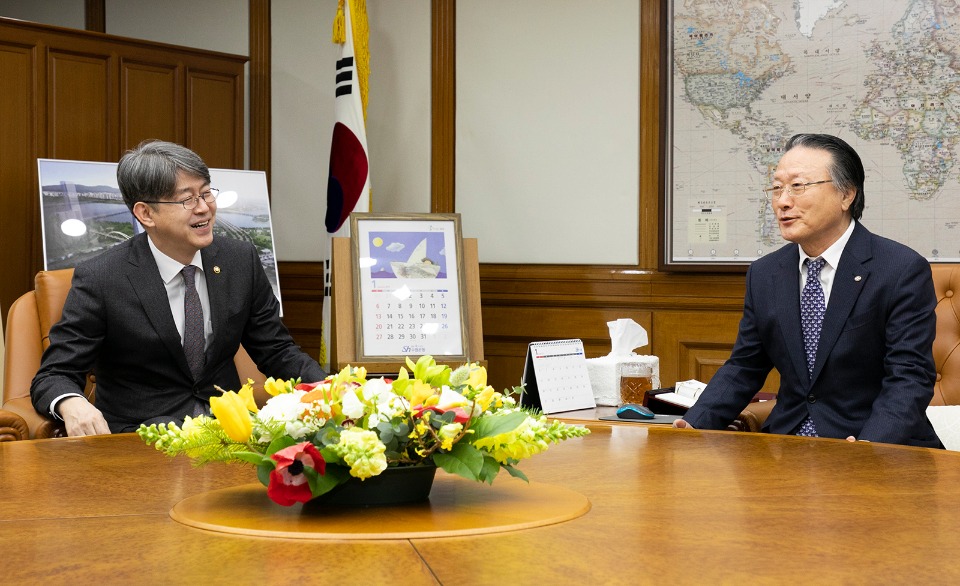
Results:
409 274
555 377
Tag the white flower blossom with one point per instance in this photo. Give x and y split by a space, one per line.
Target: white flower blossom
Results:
285 408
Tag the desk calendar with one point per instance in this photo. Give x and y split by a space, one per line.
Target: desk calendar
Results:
409 286
555 377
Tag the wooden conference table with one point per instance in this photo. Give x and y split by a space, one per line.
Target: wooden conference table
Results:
666 506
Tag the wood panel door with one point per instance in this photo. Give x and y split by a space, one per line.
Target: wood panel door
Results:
21 78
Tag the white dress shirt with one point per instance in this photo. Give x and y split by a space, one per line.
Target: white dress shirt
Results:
829 270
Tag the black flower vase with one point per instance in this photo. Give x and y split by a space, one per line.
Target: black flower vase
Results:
393 486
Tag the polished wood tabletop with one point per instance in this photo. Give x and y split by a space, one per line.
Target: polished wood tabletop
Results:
666 506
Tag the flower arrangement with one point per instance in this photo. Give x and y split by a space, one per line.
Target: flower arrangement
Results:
311 437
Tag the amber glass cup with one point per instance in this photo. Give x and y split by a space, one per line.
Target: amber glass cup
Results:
635 379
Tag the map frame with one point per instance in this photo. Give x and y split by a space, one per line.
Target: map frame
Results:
934 231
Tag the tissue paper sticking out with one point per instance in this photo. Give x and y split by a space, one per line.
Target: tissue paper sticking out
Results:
625 336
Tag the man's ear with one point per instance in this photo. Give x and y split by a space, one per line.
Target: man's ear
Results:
144 214
848 198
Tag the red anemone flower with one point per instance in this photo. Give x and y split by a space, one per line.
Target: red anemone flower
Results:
288 483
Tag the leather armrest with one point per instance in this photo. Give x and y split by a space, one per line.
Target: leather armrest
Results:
40 425
12 427
751 419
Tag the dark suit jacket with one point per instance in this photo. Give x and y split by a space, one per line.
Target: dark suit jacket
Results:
117 322
874 371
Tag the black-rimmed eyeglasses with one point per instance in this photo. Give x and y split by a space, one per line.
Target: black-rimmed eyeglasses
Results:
208 196
776 191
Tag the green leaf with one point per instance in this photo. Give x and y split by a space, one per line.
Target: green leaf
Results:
330 456
252 457
324 483
385 431
463 460
492 425
264 470
490 469
284 441
516 473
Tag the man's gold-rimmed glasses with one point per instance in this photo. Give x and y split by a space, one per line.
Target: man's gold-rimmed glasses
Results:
794 189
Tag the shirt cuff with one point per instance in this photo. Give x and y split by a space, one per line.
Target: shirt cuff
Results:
53 405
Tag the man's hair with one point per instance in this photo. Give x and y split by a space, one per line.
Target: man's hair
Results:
846 171
150 170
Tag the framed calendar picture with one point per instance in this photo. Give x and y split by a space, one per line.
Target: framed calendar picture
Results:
409 293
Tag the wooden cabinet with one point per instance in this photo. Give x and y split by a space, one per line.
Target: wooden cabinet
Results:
71 94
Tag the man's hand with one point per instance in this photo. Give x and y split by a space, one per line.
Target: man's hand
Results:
681 424
82 418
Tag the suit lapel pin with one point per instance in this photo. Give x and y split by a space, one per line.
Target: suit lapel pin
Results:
216 271
857 278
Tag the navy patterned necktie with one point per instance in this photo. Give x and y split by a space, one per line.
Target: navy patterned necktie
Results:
812 308
192 322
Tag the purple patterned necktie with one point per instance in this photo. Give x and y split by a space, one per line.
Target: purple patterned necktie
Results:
812 308
192 322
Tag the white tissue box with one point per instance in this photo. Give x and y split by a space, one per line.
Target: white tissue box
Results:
603 376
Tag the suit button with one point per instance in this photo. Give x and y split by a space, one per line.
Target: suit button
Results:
811 398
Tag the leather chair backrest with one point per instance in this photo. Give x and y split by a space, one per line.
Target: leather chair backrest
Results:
946 345
52 288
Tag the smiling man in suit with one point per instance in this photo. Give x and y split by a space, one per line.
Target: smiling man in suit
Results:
845 316
160 317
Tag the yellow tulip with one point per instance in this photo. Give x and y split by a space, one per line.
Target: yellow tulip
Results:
275 387
478 376
421 393
230 409
485 398
246 393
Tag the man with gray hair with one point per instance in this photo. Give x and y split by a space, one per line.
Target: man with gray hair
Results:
160 317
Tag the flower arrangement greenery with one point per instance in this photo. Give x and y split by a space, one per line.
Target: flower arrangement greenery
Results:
311 437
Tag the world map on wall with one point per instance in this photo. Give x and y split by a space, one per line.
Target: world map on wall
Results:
884 75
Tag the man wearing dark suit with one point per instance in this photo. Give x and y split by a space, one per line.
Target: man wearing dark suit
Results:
132 318
870 375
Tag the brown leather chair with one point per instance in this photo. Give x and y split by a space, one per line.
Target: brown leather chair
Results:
28 329
12 426
946 349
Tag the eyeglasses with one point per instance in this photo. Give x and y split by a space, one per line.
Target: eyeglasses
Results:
776 191
208 196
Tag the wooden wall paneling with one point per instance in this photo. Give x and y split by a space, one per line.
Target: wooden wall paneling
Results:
151 103
95 15
651 134
215 117
19 138
443 106
509 329
260 90
81 104
693 345
301 284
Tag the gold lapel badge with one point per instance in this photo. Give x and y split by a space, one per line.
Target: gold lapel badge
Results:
857 278
216 271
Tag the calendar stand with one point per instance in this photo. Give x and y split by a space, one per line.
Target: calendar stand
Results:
343 334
